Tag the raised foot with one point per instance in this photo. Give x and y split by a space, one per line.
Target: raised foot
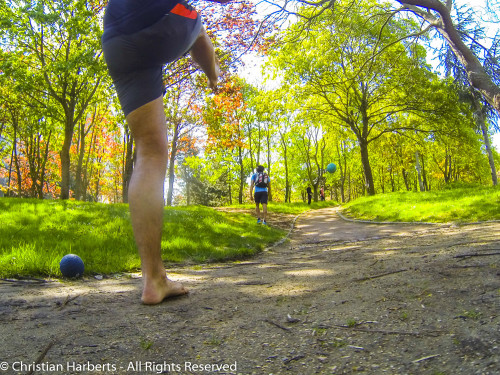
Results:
155 293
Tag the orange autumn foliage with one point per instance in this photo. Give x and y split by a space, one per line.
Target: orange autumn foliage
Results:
223 117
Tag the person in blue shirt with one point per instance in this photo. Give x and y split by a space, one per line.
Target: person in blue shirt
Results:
140 37
261 182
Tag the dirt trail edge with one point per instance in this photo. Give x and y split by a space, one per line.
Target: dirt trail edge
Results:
337 298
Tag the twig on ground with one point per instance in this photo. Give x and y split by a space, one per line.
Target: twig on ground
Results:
380 275
470 266
385 332
25 280
68 300
357 324
355 347
476 255
277 325
41 356
296 358
426 358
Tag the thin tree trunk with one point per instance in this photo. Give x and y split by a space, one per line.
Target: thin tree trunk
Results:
19 176
66 159
79 167
480 118
12 158
242 175
128 164
171 164
367 170
419 171
405 179
42 168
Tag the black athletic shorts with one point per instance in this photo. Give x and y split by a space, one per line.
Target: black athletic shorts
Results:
135 60
260 197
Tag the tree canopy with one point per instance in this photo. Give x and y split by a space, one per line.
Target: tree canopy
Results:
352 85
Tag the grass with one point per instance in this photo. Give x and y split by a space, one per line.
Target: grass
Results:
461 205
36 234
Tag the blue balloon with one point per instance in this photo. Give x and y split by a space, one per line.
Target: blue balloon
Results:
71 265
331 168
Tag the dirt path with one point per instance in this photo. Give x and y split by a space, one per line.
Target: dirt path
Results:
338 298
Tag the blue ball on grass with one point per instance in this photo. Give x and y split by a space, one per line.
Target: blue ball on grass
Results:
71 265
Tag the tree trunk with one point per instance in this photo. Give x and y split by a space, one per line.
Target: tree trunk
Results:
342 170
450 168
171 164
19 175
242 175
65 158
288 189
382 179
480 118
97 187
348 186
392 178
79 166
128 164
424 173
419 171
13 156
287 182
367 170
42 167
269 189
476 74
86 172
9 178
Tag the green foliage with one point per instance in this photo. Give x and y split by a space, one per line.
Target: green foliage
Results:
206 183
459 204
36 234
354 76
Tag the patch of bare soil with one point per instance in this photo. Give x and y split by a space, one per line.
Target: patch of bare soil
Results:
337 298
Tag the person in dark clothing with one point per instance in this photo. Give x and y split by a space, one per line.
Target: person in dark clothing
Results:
309 195
139 38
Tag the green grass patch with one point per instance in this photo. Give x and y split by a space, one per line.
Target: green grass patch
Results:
461 205
36 234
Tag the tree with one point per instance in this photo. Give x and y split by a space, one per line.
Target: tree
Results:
435 14
340 77
55 54
484 77
224 118
484 113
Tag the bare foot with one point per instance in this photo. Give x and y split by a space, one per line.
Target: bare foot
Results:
155 292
